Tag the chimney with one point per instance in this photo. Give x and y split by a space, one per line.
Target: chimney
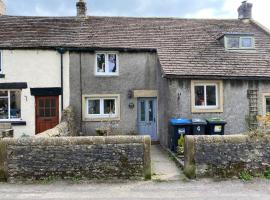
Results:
245 10
81 8
2 7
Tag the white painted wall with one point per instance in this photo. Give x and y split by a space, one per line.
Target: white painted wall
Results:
39 68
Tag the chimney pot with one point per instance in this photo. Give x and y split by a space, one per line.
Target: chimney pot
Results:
245 10
2 7
81 8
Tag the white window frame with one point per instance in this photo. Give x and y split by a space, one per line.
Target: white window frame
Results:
240 42
9 118
1 62
205 96
218 108
265 95
107 73
101 116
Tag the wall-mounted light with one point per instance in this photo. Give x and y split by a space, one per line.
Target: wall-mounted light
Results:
131 105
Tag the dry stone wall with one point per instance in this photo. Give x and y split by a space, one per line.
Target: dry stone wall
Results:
226 156
122 157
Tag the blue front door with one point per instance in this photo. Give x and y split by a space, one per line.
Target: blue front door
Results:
147 117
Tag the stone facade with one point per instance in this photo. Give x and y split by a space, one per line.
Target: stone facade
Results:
226 156
84 157
177 100
137 71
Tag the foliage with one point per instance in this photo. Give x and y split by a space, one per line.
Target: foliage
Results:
181 142
264 121
245 176
107 127
267 174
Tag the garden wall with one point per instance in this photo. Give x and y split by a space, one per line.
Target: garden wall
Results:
122 157
226 156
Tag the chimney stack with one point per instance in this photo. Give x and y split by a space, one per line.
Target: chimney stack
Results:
245 10
81 8
2 8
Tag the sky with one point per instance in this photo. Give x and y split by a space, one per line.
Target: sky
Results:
142 8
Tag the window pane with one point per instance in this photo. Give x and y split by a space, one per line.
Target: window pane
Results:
47 112
151 111
109 106
3 108
112 62
142 111
41 112
267 104
199 96
47 103
233 42
211 95
100 62
94 107
15 104
3 94
246 42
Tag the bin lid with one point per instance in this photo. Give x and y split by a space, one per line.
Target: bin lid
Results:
199 121
216 120
180 121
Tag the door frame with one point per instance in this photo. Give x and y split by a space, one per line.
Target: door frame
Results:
156 115
36 109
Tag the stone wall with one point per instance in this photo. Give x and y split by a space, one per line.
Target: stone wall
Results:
226 156
31 159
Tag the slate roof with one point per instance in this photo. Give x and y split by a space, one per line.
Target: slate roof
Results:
185 47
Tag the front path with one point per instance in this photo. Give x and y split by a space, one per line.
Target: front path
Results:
163 167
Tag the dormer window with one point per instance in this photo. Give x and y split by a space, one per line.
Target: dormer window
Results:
238 41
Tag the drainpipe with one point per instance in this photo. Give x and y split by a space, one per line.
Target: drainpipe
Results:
62 51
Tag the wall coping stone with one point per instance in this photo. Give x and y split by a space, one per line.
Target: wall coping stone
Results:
91 140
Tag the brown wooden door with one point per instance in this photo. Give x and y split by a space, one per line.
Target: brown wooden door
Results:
47 112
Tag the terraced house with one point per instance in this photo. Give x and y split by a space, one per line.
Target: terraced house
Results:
134 73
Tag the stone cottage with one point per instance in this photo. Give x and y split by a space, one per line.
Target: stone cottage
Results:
134 74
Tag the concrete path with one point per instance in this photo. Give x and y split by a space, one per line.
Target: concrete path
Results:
163 167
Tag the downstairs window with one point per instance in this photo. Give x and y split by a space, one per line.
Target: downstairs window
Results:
207 96
10 105
102 107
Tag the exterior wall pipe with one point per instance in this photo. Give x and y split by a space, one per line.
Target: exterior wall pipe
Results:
62 51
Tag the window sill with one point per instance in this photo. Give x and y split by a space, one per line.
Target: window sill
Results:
101 119
196 110
2 75
15 123
106 75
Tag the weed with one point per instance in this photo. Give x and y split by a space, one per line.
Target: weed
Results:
245 176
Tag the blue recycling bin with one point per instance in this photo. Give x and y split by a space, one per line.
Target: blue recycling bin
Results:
178 127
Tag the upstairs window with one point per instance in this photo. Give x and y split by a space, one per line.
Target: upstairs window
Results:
107 64
239 42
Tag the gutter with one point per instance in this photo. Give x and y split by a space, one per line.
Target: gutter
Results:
205 77
62 51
